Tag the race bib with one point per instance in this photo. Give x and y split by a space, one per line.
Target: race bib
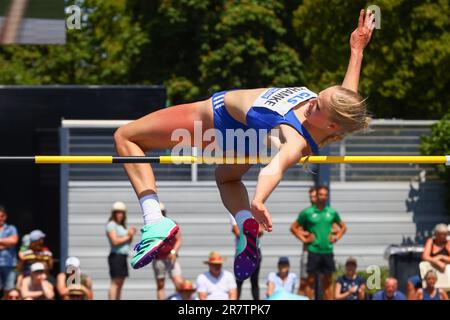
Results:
282 100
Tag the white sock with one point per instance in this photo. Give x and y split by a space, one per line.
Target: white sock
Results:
241 216
151 210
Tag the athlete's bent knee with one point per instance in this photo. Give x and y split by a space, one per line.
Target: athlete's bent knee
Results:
119 137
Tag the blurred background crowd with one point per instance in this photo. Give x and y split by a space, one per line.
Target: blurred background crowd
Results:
27 265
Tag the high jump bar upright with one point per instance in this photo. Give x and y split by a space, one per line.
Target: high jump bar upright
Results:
66 159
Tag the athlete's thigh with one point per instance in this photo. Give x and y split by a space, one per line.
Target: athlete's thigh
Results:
154 131
231 172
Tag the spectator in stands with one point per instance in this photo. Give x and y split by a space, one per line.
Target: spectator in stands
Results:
24 247
318 221
36 252
430 292
166 262
43 254
283 279
13 294
8 253
24 263
254 278
36 286
390 291
295 230
216 284
413 285
350 286
73 284
185 291
437 248
119 239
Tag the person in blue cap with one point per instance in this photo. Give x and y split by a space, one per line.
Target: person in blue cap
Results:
283 279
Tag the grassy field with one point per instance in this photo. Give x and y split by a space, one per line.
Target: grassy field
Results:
45 9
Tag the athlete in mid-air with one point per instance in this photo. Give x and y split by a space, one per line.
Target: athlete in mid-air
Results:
304 119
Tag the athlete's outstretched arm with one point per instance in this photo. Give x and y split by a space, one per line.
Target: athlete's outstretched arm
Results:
358 41
270 176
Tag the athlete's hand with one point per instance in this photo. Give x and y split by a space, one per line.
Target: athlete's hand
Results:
362 34
262 215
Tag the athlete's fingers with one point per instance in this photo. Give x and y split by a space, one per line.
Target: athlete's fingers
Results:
268 222
370 21
265 224
368 14
361 18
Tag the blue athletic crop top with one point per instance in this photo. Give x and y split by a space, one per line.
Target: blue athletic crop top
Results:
275 106
272 108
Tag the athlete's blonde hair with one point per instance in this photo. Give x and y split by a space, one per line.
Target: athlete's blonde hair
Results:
349 110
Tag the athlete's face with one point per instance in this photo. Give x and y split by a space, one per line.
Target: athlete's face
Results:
317 112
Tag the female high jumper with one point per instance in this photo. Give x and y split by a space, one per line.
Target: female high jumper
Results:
305 121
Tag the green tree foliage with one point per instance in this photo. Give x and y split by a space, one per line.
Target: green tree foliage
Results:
438 143
195 47
177 32
199 46
248 40
405 68
102 52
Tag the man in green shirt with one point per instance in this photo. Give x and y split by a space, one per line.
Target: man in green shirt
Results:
318 221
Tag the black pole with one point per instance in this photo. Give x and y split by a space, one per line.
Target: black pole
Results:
137 159
16 159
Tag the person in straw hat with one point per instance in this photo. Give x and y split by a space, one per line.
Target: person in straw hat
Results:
185 292
216 284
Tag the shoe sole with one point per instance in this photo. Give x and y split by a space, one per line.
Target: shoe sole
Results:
247 261
149 256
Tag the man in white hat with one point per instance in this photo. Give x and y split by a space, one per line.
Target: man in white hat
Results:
35 286
73 284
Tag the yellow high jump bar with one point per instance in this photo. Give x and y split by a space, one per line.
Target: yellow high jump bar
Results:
66 159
